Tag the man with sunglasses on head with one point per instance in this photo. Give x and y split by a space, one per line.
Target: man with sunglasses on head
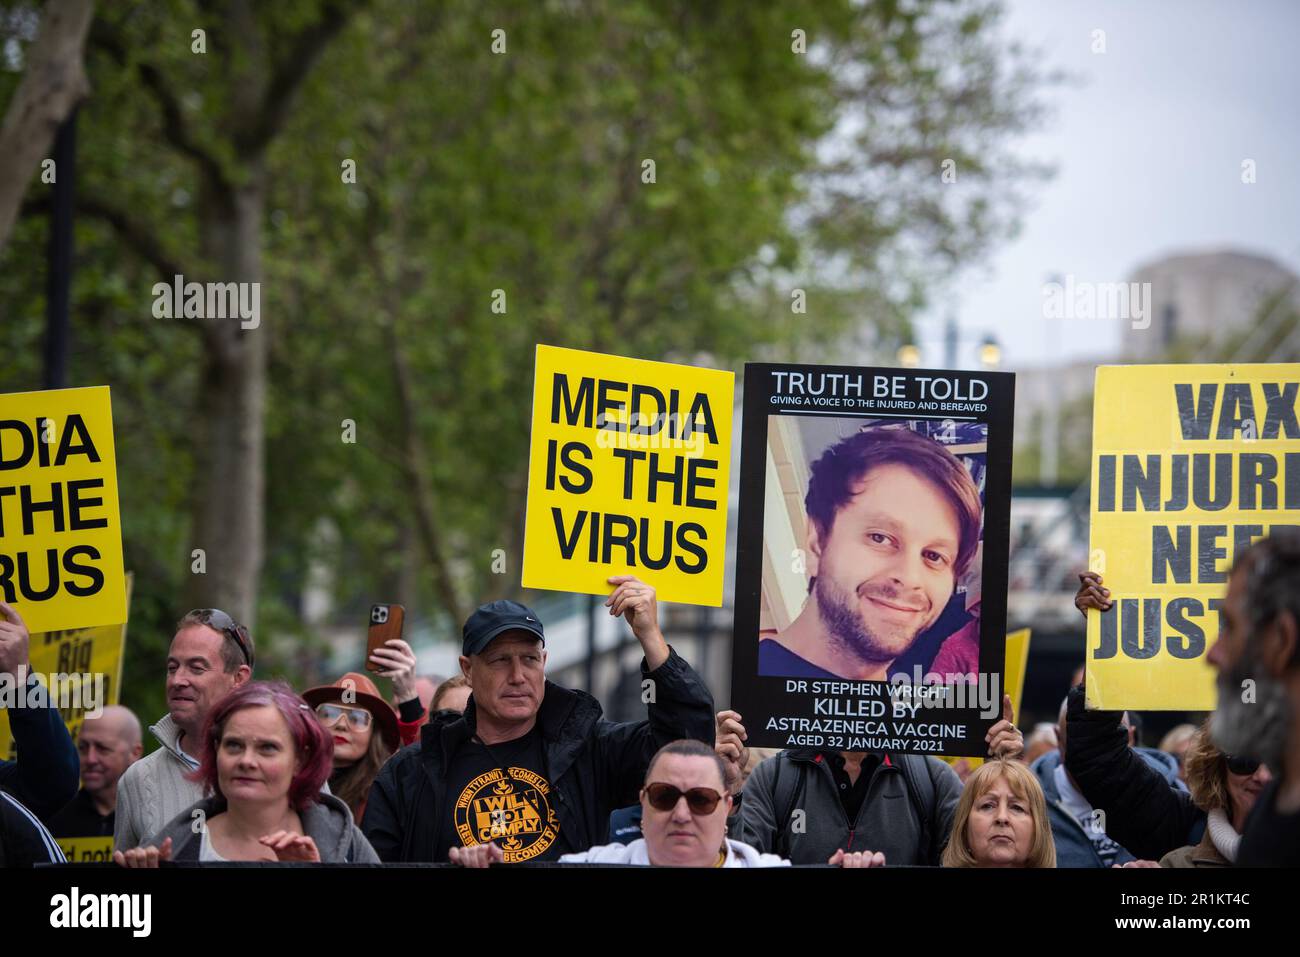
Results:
211 654
531 768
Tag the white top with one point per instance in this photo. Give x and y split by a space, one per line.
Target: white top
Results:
738 855
1074 802
1223 835
207 852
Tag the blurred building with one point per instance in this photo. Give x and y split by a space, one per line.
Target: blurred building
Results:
1221 306
1204 297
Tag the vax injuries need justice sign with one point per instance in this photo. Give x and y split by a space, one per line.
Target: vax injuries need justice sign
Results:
1190 465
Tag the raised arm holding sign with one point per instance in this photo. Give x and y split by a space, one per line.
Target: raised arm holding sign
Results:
44 776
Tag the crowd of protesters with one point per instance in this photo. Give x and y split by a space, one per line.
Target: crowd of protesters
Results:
499 765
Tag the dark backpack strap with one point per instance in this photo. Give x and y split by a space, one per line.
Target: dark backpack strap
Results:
920 788
785 801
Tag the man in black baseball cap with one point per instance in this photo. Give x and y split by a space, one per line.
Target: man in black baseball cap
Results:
531 770
495 618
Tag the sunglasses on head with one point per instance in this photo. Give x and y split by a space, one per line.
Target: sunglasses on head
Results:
1241 764
218 619
329 713
664 797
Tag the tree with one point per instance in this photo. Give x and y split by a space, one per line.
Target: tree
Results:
53 83
263 54
525 173
418 173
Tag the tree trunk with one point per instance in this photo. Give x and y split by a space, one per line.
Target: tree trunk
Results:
54 81
228 501
415 460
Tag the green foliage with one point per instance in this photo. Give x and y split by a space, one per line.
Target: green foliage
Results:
521 172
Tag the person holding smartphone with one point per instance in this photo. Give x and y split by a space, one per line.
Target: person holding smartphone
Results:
365 731
531 765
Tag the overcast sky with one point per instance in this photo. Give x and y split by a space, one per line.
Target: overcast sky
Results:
1148 144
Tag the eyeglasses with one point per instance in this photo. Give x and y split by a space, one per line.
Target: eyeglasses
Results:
1241 764
664 797
218 619
330 713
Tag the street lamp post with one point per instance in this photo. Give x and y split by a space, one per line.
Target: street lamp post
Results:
990 351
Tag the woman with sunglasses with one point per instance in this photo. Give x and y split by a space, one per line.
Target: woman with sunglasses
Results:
1225 787
684 807
365 731
264 759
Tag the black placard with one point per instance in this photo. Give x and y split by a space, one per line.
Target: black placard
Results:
905 466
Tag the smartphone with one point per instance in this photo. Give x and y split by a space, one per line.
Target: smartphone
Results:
385 623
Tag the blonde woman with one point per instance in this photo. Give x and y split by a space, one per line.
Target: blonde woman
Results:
1225 787
1001 820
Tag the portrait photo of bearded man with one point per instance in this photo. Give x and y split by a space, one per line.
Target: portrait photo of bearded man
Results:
893 525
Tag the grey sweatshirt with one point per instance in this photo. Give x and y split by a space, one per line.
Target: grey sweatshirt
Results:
328 822
817 825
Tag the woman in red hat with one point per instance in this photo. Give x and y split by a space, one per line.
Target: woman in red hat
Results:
365 728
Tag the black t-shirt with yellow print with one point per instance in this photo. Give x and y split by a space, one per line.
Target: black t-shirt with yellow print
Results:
502 794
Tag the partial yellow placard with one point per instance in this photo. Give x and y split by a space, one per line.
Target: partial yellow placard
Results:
60 531
1013 673
1190 465
87 850
81 668
628 475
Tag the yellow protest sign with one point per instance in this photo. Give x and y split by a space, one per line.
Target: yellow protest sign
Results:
628 475
1017 661
81 668
87 850
1015 664
1190 465
60 534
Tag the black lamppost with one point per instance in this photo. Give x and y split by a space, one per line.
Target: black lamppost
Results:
58 279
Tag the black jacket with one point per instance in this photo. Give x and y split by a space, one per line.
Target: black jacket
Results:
1143 813
46 775
594 765
1270 839
24 841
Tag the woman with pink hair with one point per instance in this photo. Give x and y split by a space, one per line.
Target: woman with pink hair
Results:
265 757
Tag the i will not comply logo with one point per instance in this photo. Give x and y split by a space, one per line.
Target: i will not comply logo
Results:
78 910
